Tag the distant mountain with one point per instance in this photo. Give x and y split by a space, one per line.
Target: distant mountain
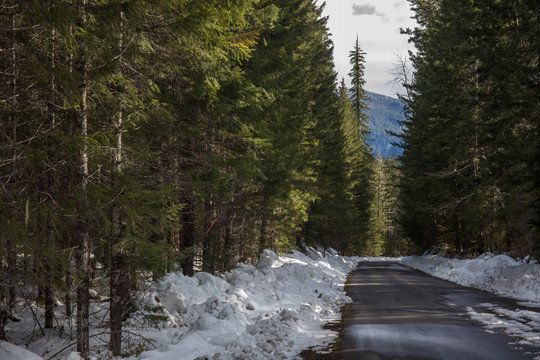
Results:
384 114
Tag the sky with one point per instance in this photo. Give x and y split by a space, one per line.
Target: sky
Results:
377 24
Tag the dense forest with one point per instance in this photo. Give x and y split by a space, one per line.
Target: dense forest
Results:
471 145
142 137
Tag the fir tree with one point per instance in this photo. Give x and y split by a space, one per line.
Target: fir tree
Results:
358 93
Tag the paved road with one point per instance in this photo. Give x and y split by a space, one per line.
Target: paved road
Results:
401 313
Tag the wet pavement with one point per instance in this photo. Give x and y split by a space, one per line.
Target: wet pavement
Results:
401 313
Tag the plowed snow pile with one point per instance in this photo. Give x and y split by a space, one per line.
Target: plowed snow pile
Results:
498 274
269 311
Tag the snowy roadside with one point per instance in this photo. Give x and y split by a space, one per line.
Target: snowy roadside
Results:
277 309
500 275
497 274
270 311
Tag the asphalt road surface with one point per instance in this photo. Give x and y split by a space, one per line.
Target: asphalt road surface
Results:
401 313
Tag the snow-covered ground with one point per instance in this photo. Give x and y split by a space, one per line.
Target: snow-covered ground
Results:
497 274
270 311
273 310
10 351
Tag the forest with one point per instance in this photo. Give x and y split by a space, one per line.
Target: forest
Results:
143 137
140 137
470 161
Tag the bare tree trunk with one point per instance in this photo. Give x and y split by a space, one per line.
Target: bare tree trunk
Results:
188 237
51 185
119 279
10 246
229 243
83 258
208 246
119 300
5 272
262 237
67 298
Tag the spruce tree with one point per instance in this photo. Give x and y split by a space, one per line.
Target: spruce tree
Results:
359 153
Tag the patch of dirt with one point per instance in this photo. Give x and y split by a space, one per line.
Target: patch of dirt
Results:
331 351
327 353
310 354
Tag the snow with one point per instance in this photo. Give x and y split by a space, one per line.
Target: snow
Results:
521 324
273 310
270 311
74 356
497 274
9 351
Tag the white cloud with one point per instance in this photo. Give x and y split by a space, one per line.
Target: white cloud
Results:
363 9
383 17
366 9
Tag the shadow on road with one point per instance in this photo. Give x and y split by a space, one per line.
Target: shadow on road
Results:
401 313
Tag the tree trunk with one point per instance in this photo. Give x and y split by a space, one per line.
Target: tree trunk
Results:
188 238
208 262
228 242
119 282
10 246
67 298
119 279
51 190
83 258
262 237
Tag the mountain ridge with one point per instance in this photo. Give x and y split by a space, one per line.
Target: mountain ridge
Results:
385 114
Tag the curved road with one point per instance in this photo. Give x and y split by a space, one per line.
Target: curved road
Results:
401 313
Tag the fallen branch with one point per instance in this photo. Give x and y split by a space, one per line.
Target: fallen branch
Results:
32 310
103 333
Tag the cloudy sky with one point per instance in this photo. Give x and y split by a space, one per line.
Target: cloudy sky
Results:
377 23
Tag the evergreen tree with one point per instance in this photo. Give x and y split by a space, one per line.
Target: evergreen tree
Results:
358 93
459 156
359 152
385 231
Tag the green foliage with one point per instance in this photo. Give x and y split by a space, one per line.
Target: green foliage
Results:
212 129
358 93
386 235
472 126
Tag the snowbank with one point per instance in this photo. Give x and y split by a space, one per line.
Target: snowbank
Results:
9 351
498 274
270 311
